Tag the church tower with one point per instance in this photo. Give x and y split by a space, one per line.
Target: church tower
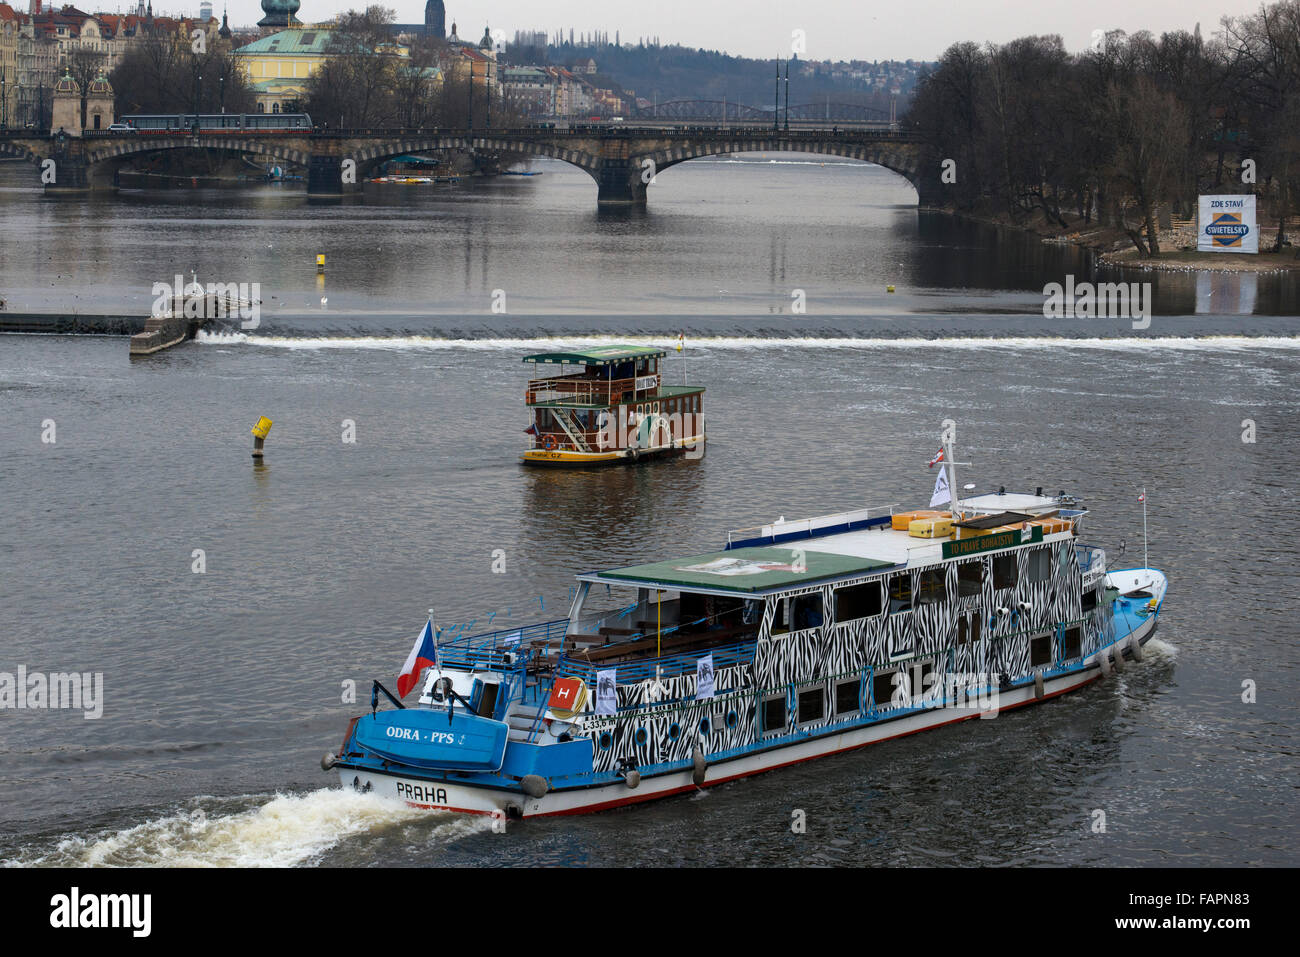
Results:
435 19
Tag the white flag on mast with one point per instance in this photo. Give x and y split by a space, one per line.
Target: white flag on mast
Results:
941 492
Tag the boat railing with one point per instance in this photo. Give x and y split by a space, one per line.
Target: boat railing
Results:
667 666
810 527
588 391
489 649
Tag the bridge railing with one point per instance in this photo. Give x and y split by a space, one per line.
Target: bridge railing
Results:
574 131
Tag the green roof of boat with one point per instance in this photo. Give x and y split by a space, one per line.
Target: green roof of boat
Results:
599 356
747 569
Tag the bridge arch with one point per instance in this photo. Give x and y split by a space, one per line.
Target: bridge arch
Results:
20 150
377 153
897 158
118 152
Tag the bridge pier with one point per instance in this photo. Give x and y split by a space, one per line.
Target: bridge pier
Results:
70 174
324 177
619 183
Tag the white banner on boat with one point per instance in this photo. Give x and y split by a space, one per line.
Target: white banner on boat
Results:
704 678
941 493
606 691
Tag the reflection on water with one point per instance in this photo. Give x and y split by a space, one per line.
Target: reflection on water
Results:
1226 294
720 237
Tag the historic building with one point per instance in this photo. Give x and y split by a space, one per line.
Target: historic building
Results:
68 112
279 14
434 25
278 65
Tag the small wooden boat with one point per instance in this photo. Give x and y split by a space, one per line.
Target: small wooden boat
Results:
609 405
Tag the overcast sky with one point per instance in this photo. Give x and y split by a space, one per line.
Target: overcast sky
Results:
835 29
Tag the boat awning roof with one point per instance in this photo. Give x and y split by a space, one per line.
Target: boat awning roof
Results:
597 356
744 570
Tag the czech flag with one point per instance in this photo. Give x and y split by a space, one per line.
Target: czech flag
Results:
423 655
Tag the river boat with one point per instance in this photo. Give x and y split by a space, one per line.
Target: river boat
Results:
609 405
794 641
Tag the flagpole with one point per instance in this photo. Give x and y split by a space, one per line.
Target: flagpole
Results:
1146 561
433 631
951 466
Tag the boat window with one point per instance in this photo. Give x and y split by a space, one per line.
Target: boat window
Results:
846 696
1039 568
1040 651
882 688
780 625
970 577
930 586
812 705
857 601
1090 599
774 713
487 702
900 593
806 611
1073 644
1004 570
968 628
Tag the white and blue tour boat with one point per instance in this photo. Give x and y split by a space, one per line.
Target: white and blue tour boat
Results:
795 641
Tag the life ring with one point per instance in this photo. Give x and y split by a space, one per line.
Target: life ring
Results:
549 443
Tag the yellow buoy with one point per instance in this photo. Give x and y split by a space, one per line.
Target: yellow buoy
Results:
259 435
889 289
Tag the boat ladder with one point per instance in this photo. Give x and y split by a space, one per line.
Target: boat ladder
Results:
565 418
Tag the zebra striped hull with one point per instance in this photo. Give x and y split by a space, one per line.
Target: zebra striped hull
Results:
511 803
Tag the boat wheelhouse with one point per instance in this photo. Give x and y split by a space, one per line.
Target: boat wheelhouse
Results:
794 641
608 405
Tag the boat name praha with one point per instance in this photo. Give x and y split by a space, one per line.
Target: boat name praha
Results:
58 690
429 795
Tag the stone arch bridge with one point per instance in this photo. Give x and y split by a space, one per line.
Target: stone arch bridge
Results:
622 160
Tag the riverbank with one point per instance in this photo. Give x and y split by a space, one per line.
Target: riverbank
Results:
1189 260
1114 248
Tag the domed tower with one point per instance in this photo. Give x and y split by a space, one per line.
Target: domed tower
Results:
435 19
279 14
65 113
486 44
99 103
224 32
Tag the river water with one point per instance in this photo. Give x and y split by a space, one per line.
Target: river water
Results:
223 688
